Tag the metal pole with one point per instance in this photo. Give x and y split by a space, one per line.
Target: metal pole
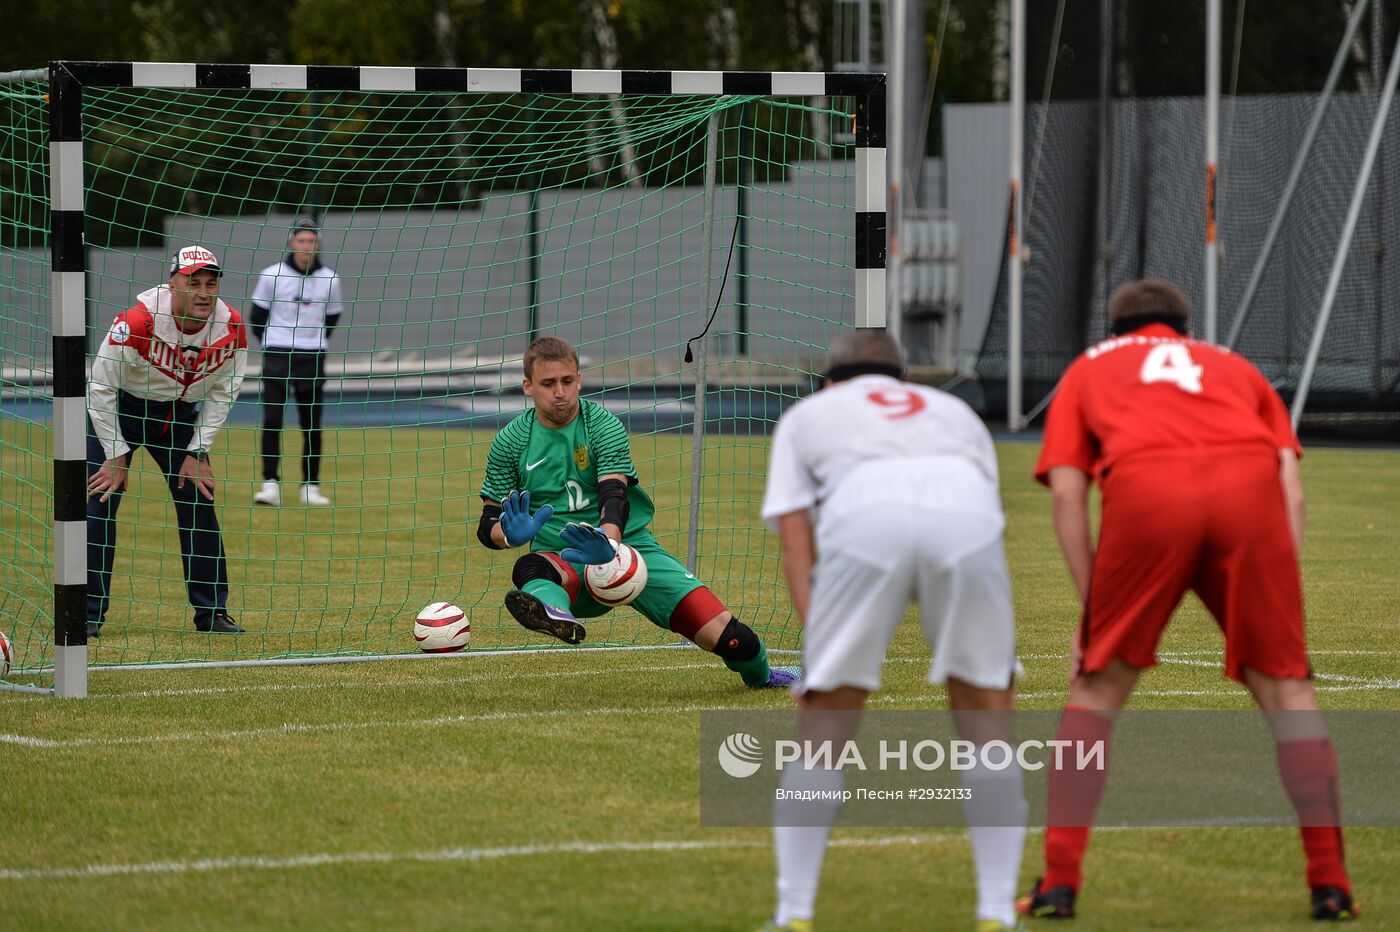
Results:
741 197
697 432
863 34
1358 195
1102 194
1378 215
1014 231
1291 185
1212 157
532 237
894 46
16 77
315 194
532 245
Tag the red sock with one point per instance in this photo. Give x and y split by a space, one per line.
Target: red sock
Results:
1310 775
1073 798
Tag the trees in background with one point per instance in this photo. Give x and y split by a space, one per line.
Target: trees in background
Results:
283 158
1158 47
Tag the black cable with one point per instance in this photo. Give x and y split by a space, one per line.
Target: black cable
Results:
733 238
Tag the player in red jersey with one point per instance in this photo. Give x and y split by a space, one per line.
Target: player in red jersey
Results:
1197 466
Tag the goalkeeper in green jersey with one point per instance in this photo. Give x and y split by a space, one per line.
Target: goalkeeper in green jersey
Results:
570 459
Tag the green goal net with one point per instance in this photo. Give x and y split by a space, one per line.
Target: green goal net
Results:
459 225
26 420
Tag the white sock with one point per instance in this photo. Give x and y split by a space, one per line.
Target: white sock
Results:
996 818
801 828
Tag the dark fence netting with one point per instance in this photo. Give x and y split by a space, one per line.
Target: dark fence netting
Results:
1117 193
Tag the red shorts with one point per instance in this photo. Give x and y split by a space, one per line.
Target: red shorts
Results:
1213 524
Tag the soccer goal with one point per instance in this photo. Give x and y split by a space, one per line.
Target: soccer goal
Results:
700 236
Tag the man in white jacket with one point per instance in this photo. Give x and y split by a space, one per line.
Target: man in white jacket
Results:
296 304
165 377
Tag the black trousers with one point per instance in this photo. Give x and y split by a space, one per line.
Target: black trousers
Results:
165 429
303 372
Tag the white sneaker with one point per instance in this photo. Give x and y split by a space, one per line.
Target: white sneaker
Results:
271 493
311 495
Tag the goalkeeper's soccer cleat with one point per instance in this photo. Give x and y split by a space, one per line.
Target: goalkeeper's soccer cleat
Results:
1333 904
1055 903
270 494
792 925
996 925
782 677
540 616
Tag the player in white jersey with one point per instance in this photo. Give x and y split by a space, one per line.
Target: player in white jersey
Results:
885 492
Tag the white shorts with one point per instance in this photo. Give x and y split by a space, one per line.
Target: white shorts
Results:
874 559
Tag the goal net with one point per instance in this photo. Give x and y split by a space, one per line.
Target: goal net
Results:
465 212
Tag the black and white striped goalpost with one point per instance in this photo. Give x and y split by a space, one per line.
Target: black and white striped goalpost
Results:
69 382
67 79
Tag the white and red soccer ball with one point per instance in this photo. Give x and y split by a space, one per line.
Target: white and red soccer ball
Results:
442 628
619 581
7 655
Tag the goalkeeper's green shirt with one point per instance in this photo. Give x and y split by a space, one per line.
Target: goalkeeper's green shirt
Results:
560 467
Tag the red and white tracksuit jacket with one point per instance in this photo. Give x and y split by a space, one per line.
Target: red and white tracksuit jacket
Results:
146 355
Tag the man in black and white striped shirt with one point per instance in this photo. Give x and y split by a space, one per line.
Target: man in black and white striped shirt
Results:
295 306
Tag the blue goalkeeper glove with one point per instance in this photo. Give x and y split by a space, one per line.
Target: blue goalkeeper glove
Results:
587 544
516 523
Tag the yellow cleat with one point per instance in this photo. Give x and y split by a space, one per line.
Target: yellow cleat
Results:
792 925
996 925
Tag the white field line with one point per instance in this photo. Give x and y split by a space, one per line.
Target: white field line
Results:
298 728
1220 654
1355 684
936 698
295 728
409 682
442 658
449 855
1319 653
485 654
482 676
342 659
447 681
1372 682
1334 677
1168 657
441 855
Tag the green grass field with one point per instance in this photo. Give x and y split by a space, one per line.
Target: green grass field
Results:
558 789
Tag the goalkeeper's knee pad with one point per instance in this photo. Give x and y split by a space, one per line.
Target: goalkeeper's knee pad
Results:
535 566
737 642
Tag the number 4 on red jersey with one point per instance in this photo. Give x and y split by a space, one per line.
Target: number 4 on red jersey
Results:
1172 362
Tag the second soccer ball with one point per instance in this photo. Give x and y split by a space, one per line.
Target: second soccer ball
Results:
442 628
620 581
